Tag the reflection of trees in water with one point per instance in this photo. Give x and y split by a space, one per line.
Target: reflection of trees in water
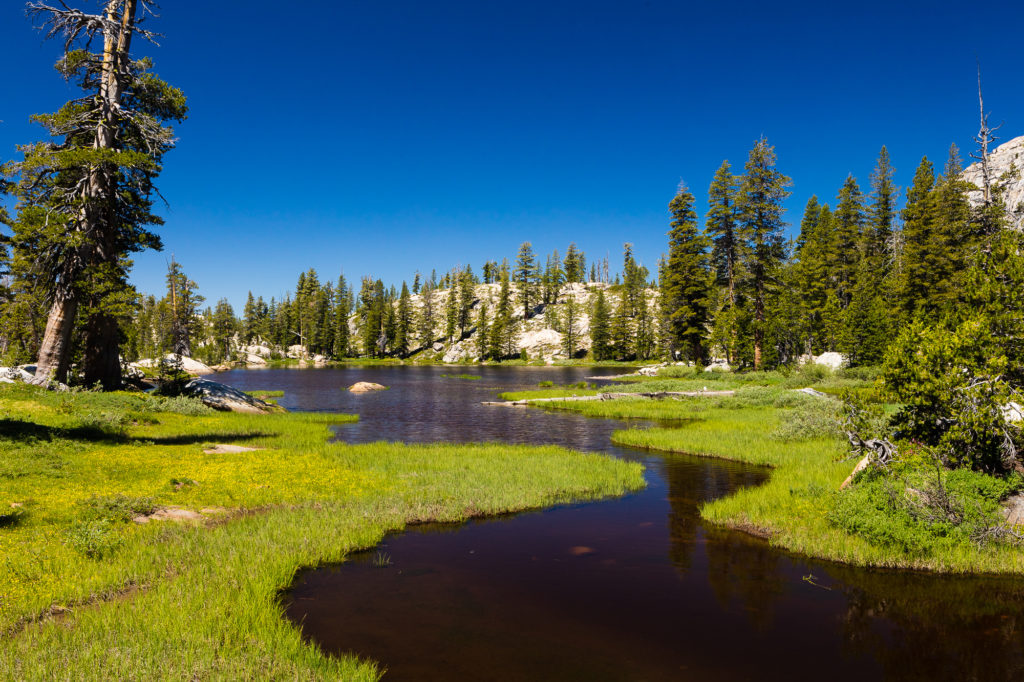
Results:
745 570
739 567
922 627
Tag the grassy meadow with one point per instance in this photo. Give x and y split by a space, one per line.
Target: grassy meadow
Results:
800 508
84 588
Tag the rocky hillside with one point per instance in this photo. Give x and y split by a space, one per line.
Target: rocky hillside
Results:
540 335
1007 161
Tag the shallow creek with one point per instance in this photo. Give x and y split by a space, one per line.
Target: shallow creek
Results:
635 588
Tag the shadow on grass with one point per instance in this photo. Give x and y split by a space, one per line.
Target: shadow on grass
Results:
19 430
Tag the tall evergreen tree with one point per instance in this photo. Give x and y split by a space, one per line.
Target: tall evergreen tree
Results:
342 312
570 326
686 281
810 272
183 301
85 201
427 323
848 227
482 334
575 264
504 330
759 202
919 243
223 328
600 336
722 226
403 323
467 295
525 276
882 211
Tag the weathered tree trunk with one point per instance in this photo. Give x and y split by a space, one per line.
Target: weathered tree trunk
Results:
96 222
102 359
55 350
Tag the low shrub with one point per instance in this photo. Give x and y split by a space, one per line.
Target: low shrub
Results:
95 538
821 418
916 508
118 508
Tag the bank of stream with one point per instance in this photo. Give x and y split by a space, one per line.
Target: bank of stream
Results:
632 588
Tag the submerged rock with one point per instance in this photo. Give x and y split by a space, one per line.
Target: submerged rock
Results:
225 398
366 387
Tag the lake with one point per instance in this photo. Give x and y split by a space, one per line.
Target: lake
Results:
633 588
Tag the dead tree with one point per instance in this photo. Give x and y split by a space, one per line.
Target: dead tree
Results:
984 138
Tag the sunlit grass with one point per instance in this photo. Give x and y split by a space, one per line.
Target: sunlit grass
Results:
200 600
790 509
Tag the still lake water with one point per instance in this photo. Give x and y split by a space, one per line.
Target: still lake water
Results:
635 588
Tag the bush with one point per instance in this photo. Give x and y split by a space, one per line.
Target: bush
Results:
186 405
952 395
119 508
95 538
919 506
820 418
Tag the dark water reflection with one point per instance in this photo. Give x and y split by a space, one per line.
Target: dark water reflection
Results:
636 588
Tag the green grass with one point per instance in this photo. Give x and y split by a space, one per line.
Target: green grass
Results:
83 589
768 425
266 394
467 377
547 393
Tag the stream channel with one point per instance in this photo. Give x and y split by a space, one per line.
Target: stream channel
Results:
632 588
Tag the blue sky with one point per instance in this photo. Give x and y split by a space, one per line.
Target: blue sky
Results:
381 138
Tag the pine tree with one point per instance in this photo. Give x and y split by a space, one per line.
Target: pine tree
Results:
882 212
85 200
621 331
184 302
575 265
570 326
525 276
919 240
686 280
869 325
451 312
759 203
634 281
370 316
504 330
467 295
482 334
342 311
955 239
811 272
223 328
722 226
404 323
646 334
848 226
600 337
427 323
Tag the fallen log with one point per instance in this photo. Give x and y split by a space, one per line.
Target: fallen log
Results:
660 395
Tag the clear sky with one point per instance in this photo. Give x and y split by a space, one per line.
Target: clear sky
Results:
384 137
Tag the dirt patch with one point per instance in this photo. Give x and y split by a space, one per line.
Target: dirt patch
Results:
225 449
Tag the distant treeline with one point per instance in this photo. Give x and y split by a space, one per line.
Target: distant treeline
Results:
734 288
